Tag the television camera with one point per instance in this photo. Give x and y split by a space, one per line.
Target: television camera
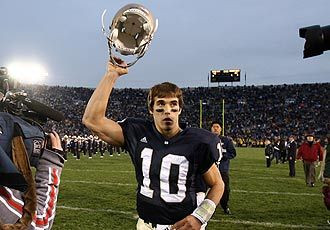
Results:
17 102
20 116
317 39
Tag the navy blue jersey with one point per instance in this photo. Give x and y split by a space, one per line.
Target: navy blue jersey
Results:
166 169
292 149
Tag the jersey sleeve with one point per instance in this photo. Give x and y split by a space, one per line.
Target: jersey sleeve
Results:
210 154
132 129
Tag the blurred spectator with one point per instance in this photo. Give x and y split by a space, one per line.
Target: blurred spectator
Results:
283 150
310 151
277 152
269 153
292 152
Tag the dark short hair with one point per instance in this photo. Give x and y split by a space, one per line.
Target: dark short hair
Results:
216 122
165 89
310 135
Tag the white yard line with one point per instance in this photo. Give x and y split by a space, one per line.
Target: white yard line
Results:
234 190
276 178
264 169
95 182
95 170
133 215
278 193
267 224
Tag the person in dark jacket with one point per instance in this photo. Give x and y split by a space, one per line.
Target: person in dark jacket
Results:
229 152
277 153
292 151
269 153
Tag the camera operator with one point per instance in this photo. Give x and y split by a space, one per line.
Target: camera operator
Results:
32 207
27 199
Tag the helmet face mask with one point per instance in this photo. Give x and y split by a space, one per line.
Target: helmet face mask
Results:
131 31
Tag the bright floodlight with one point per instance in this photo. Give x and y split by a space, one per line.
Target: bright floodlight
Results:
27 72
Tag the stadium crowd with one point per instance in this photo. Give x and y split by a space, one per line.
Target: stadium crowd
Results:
252 113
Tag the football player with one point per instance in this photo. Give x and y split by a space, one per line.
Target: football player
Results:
166 158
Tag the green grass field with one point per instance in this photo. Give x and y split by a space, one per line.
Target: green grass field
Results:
100 194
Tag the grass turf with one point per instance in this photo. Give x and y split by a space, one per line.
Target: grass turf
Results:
100 194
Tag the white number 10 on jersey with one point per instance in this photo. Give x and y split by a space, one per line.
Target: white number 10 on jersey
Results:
165 168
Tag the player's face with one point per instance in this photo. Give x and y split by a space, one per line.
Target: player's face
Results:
166 113
216 129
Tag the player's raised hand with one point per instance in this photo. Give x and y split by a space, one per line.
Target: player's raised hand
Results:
188 223
119 69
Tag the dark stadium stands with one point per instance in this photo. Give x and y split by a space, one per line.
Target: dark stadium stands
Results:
252 113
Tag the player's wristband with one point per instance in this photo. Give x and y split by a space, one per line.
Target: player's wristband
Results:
204 211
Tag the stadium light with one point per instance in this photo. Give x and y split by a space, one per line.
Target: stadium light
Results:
27 72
